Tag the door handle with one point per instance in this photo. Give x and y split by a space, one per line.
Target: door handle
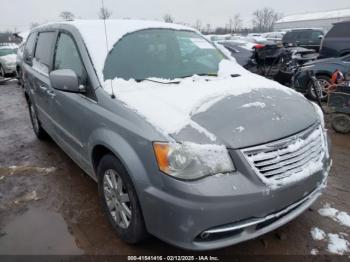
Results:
51 93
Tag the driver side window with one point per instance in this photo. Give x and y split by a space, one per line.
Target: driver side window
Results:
67 57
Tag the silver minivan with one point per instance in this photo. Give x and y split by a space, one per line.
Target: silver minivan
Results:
184 143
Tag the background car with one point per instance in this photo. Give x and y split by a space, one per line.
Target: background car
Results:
323 70
243 56
308 38
8 59
337 41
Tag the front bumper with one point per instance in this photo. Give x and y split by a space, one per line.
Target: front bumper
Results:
208 220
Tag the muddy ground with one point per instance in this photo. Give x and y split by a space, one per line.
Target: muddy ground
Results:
48 205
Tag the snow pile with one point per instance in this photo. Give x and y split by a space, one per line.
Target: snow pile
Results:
337 244
159 103
318 234
314 252
255 104
338 216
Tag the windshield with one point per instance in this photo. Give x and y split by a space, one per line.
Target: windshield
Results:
7 51
162 53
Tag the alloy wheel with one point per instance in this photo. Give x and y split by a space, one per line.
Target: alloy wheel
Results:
321 89
117 198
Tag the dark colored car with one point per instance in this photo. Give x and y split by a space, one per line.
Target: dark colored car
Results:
243 56
308 38
323 70
337 41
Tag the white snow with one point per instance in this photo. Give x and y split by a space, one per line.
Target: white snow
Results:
341 217
318 234
314 252
337 244
169 107
240 129
341 13
255 104
11 58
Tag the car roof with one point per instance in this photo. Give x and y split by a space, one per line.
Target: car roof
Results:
94 37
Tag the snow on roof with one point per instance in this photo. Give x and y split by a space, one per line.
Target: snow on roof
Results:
93 33
342 13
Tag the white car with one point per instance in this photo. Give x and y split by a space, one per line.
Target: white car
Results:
8 55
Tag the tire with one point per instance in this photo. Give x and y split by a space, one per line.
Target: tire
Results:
341 123
37 128
121 206
324 80
2 72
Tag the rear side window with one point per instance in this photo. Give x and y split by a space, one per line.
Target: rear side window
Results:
290 37
340 30
44 47
67 57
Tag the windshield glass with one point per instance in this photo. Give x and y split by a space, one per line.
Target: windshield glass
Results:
162 53
7 51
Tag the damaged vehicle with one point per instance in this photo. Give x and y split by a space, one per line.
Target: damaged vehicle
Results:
184 143
8 59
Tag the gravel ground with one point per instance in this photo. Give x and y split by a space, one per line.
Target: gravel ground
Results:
49 206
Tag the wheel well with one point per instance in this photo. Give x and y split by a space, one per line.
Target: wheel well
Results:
97 153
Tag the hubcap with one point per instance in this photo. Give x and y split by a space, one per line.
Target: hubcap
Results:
321 88
117 198
34 118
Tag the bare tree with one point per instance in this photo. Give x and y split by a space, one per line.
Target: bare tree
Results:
66 15
237 23
198 25
264 19
208 28
168 18
104 13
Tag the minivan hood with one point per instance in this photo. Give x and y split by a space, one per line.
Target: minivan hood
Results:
236 111
8 58
251 119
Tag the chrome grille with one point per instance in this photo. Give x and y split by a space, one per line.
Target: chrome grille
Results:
281 159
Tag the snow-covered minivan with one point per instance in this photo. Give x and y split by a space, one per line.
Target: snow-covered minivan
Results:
184 143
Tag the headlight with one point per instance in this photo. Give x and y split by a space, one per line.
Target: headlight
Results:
320 114
191 161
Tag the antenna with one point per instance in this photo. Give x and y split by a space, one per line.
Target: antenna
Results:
104 22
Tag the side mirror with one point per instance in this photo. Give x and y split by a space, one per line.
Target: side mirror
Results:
66 80
320 37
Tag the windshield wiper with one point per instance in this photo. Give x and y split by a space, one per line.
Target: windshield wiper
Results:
160 81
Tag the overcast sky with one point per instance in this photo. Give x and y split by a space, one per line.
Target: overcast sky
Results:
20 14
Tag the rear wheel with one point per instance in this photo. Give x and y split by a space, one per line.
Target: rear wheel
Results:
321 88
119 200
37 128
341 123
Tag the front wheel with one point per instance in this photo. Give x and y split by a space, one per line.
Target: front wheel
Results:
341 123
119 200
321 88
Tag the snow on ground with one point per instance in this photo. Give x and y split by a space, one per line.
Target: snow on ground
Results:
338 216
156 102
318 234
337 244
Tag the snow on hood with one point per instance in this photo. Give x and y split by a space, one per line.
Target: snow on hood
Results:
169 107
9 58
